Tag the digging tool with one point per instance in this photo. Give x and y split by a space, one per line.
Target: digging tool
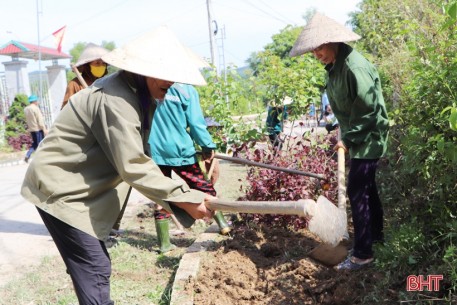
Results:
211 169
79 76
272 167
180 229
325 219
331 255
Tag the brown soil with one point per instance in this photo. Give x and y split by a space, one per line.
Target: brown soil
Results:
271 266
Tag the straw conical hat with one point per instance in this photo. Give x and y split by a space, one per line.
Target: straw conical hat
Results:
90 53
199 61
321 30
157 54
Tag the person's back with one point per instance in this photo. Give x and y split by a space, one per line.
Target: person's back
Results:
177 126
178 123
35 125
34 118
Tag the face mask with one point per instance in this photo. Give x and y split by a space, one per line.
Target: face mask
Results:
97 71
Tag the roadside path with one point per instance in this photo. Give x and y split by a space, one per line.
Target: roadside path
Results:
24 240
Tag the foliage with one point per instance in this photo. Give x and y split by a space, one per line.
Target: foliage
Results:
299 78
223 99
20 142
269 185
274 76
16 126
414 44
280 46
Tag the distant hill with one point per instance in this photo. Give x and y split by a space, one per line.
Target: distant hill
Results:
245 71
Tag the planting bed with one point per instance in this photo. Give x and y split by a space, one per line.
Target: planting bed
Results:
270 266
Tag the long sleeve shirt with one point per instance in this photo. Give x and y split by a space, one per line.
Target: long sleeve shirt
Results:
95 150
34 118
355 95
178 124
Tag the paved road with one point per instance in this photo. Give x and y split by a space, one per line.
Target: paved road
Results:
24 240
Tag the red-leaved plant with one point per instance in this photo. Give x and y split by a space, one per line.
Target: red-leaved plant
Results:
270 185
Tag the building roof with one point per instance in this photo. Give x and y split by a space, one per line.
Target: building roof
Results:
30 51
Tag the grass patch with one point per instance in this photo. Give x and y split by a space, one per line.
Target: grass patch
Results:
140 275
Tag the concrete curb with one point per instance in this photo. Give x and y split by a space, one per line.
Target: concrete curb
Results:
190 264
12 159
6 163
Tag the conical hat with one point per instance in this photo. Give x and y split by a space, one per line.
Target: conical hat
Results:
321 30
199 61
157 54
90 53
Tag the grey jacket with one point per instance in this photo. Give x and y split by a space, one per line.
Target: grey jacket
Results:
96 149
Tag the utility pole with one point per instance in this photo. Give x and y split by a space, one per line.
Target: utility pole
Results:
39 50
210 31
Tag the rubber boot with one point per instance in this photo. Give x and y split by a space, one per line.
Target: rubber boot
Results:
163 235
223 225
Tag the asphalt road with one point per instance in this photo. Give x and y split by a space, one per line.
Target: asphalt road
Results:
24 240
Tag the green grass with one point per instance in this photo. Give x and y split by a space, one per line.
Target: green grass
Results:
140 275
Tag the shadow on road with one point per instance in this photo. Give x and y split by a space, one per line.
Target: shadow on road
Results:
13 226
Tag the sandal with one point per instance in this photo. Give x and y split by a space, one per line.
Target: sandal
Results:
348 264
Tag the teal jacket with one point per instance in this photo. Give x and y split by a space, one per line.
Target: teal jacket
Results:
355 95
179 123
275 119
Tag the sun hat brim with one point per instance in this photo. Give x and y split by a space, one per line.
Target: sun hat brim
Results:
157 54
321 30
90 53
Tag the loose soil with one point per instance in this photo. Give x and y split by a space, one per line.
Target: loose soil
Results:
264 265
271 266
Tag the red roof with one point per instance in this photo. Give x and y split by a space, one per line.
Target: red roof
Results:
30 51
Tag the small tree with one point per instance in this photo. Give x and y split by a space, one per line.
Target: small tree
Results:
16 126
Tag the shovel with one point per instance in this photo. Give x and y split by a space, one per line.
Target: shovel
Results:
331 255
326 220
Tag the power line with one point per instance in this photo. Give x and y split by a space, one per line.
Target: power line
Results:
279 14
97 14
265 12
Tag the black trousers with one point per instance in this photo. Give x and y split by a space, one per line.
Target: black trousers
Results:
366 207
86 259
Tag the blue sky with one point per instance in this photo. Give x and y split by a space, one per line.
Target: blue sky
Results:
248 24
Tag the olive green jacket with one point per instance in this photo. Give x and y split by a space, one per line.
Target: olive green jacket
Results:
95 150
354 91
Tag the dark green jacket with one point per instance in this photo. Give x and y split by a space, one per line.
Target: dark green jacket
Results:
354 91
